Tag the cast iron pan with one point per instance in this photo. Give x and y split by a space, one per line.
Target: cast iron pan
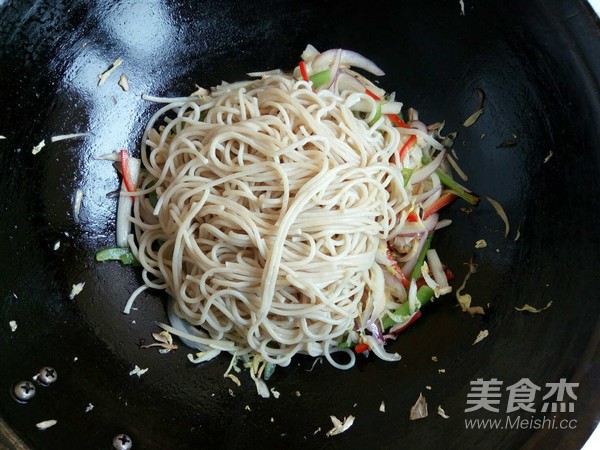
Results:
538 65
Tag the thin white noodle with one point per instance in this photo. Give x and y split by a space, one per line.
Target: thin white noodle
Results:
152 98
132 298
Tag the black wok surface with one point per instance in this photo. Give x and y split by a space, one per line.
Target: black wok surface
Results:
538 65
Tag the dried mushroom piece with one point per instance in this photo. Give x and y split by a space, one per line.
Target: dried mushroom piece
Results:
419 409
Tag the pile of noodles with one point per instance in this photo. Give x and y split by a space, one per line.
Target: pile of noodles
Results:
263 208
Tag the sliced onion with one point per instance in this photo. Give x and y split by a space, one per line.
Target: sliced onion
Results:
368 84
264 73
425 172
437 270
77 203
410 264
335 68
229 87
423 196
211 343
367 105
261 386
394 285
63 137
203 356
381 254
185 328
431 222
413 229
347 58
391 108
443 224
435 180
413 301
432 283
376 332
419 125
386 108
425 136
345 82
378 292
309 53
380 351
114 156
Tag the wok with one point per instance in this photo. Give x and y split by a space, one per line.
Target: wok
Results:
537 63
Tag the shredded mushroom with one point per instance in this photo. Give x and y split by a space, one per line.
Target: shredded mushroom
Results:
500 211
104 75
464 300
419 409
38 148
442 413
138 371
340 426
124 82
473 117
76 290
481 336
532 309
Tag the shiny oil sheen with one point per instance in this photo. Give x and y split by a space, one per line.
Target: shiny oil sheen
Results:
539 69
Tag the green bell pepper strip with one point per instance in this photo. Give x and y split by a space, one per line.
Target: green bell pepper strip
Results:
320 78
268 371
377 115
456 188
424 294
416 273
117 254
406 174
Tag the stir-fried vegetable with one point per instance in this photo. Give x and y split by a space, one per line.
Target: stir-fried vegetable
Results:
122 254
303 72
320 78
330 70
417 270
406 147
127 177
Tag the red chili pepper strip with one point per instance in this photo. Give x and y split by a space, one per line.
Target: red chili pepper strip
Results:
412 217
372 95
449 275
129 185
444 200
398 121
360 348
406 147
412 319
303 72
